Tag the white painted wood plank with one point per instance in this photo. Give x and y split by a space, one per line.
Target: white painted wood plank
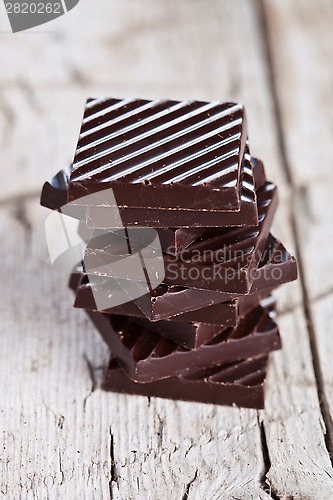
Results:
216 451
38 134
300 39
315 223
289 295
52 445
323 322
149 49
300 464
301 43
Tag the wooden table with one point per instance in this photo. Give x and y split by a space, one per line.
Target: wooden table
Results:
62 437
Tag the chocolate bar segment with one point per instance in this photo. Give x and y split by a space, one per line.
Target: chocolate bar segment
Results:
161 154
221 260
192 224
234 251
163 302
146 356
175 240
196 305
194 334
189 335
240 384
172 240
196 328
54 192
276 267
100 217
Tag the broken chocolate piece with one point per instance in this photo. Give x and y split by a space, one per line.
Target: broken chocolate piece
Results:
147 356
101 217
195 305
53 197
222 259
174 240
194 333
240 384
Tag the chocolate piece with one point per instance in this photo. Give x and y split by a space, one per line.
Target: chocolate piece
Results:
174 240
237 251
54 192
225 313
147 356
190 335
162 154
194 333
102 217
189 304
258 171
54 195
240 384
197 327
180 238
222 259
276 267
75 279
163 302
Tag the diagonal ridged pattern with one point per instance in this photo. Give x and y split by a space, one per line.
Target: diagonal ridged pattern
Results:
197 305
239 384
147 356
210 262
248 372
224 244
167 217
161 142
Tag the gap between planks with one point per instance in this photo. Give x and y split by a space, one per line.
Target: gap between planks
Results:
17 206
306 303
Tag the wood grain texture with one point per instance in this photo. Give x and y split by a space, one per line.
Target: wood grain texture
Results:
151 49
294 428
300 44
302 50
299 37
53 443
62 436
59 428
314 219
323 319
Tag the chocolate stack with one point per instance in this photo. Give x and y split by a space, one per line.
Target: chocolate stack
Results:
174 183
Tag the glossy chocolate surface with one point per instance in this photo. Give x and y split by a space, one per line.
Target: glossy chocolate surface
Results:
221 259
162 153
194 305
240 384
146 356
102 217
190 224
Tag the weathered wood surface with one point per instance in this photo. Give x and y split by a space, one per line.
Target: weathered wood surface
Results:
61 436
